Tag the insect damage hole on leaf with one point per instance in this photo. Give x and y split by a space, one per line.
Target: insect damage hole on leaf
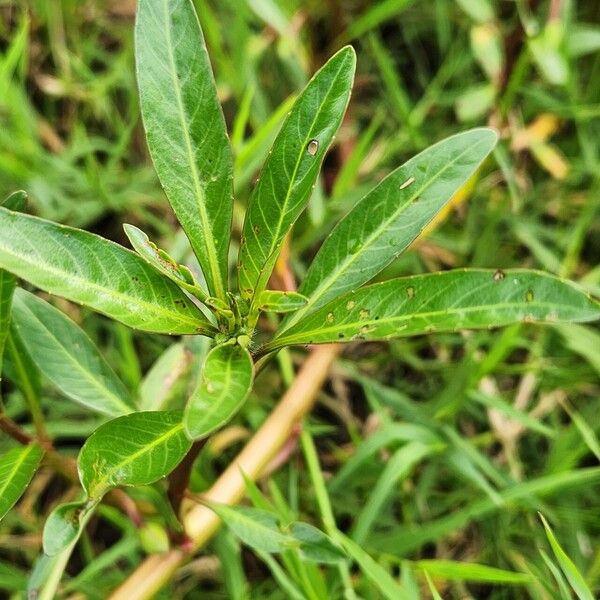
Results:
313 147
408 182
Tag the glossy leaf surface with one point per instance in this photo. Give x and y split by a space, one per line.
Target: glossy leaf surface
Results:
64 353
281 302
7 288
17 202
224 385
445 301
185 129
135 449
90 270
390 217
291 169
160 260
63 527
17 467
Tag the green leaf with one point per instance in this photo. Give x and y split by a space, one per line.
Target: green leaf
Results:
291 169
185 129
390 217
479 10
17 467
460 571
314 545
255 527
434 593
67 357
12 577
574 577
280 302
162 262
90 270
135 449
260 529
7 288
17 201
398 468
63 527
582 340
224 385
165 380
445 301
509 410
374 572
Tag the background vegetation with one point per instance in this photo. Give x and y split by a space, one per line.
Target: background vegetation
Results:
516 410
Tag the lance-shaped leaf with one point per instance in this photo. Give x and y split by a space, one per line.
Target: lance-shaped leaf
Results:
7 288
185 129
261 530
90 270
8 281
161 261
177 273
224 385
314 545
164 382
255 527
17 467
446 301
16 201
135 449
64 353
291 169
385 222
281 302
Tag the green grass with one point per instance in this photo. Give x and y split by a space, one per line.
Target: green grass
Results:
429 458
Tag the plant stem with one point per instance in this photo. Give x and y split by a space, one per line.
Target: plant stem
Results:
180 477
29 392
200 522
13 430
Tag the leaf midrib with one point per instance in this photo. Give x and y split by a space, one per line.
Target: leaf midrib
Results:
425 315
15 469
122 298
330 280
249 523
217 404
274 244
200 196
87 375
147 448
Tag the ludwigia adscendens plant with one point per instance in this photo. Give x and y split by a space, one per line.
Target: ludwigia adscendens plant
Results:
146 289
